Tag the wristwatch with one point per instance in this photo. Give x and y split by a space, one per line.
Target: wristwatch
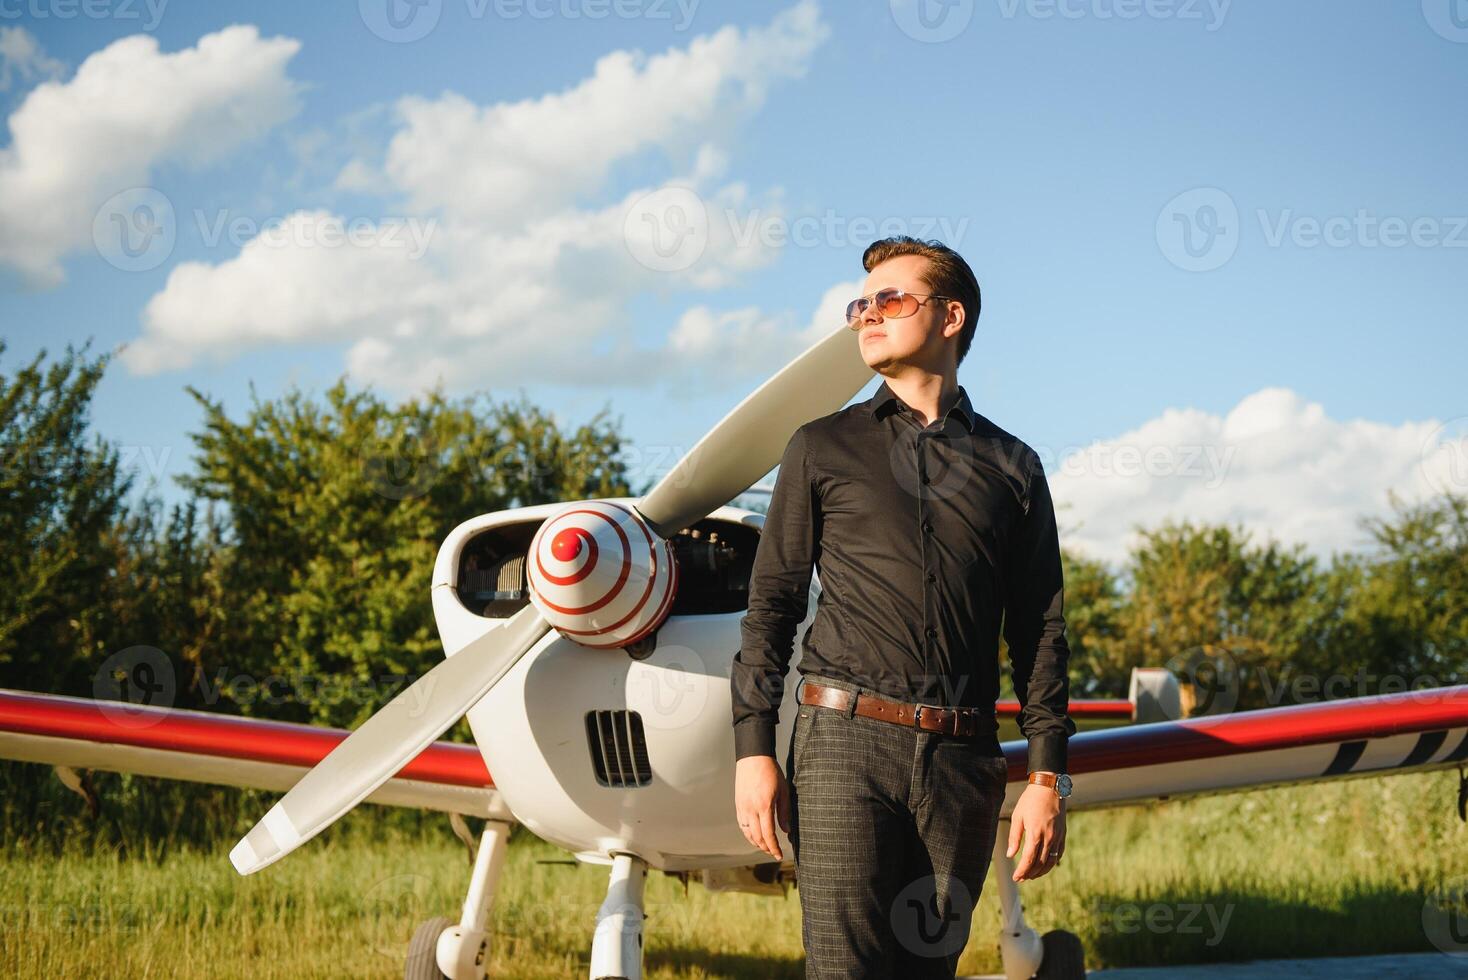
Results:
1060 782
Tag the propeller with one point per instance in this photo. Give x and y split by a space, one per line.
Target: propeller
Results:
749 441
389 740
746 444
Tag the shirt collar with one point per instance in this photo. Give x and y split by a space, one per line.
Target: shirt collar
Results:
885 401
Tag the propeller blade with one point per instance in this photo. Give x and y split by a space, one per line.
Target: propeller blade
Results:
389 740
749 441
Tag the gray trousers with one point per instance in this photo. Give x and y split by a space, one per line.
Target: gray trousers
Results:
892 829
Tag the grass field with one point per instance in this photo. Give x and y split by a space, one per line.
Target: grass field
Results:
1338 868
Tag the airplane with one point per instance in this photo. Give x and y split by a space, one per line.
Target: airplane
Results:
589 644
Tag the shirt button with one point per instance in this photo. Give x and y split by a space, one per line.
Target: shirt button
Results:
925 478
932 577
932 632
928 527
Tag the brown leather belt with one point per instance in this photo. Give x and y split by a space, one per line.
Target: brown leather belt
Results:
928 717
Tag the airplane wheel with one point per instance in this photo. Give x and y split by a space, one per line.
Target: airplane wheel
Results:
1062 957
423 951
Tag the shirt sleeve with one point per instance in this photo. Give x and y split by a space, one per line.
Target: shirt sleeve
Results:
1034 629
779 594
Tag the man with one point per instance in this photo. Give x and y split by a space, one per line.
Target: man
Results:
928 524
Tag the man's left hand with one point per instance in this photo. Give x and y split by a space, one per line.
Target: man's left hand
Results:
1040 817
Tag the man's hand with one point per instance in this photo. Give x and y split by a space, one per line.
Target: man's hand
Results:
761 795
1040 817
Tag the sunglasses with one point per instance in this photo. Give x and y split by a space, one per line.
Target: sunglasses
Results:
890 303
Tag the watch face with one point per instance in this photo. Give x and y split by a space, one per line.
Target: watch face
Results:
1062 785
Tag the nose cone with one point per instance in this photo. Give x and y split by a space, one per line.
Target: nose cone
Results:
599 575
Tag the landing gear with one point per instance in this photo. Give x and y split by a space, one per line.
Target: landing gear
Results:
441 948
1057 956
616 949
1064 956
423 950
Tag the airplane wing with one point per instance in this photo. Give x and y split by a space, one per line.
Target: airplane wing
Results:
1412 730
204 747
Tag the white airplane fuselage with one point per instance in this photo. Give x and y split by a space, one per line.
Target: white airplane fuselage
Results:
575 768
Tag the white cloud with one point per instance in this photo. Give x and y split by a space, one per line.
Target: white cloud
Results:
523 279
516 160
127 109
1276 463
21 58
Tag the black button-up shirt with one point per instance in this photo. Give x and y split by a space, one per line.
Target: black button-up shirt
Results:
924 538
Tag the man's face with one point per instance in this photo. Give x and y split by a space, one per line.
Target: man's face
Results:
917 339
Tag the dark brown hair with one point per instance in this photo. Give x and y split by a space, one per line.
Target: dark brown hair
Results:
947 274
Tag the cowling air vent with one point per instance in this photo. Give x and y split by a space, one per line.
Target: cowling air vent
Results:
618 748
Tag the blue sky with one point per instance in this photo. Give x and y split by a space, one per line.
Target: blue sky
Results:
1234 232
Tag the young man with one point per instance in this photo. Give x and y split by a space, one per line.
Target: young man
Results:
928 524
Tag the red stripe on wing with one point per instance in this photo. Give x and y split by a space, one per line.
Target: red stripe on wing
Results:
224 736
1347 719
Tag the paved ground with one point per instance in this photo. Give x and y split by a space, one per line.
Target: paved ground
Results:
1415 966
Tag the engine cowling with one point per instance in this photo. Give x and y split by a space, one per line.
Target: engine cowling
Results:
600 576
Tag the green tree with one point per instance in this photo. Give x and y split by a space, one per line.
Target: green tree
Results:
61 497
1202 597
336 510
